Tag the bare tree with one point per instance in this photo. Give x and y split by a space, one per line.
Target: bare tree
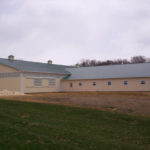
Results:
138 59
125 61
93 63
85 63
133 60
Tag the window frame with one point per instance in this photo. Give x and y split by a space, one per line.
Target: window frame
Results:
94 83
143 82
109 83
52 82
80 84
125 82
37 82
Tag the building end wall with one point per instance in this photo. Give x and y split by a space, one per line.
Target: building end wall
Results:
6 69
10 84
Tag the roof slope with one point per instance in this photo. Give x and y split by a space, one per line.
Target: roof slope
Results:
28 66
112 71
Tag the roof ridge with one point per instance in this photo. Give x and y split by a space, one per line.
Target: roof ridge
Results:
35 62
31 66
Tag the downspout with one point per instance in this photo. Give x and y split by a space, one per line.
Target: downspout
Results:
21 83
60 86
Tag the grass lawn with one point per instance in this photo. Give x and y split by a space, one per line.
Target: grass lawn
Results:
33 126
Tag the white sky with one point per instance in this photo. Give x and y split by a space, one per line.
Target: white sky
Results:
67 31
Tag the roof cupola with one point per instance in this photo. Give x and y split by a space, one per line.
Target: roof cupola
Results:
50 62
11 57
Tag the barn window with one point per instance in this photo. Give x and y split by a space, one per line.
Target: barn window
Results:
37 82
109 83
80 83
94 83
125 82
51 82
143 82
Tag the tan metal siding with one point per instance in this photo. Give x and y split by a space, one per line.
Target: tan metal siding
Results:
30 88
10 84
101 85
5 69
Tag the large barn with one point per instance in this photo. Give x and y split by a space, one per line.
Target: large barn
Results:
31 77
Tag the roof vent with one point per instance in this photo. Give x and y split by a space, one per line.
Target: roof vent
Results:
11 57
50 62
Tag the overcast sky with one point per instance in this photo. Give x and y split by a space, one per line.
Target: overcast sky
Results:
67 31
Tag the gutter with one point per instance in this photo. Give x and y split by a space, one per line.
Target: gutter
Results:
46 73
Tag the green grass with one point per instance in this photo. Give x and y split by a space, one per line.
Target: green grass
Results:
33 126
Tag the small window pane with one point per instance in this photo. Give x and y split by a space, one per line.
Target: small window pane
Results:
80 84
125 82
94 83
37 82
143 82
109 83
51 82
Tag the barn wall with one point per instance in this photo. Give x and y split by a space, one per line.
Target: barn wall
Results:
9 79
102 85
30 88
10 84
5 69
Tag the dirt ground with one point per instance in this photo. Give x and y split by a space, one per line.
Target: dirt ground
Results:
126 102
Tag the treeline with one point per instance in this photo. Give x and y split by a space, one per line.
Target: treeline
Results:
132 60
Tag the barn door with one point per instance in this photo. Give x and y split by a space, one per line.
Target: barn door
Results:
71 86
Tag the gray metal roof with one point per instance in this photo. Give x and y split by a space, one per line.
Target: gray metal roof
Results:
112 71
99 72
28 66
